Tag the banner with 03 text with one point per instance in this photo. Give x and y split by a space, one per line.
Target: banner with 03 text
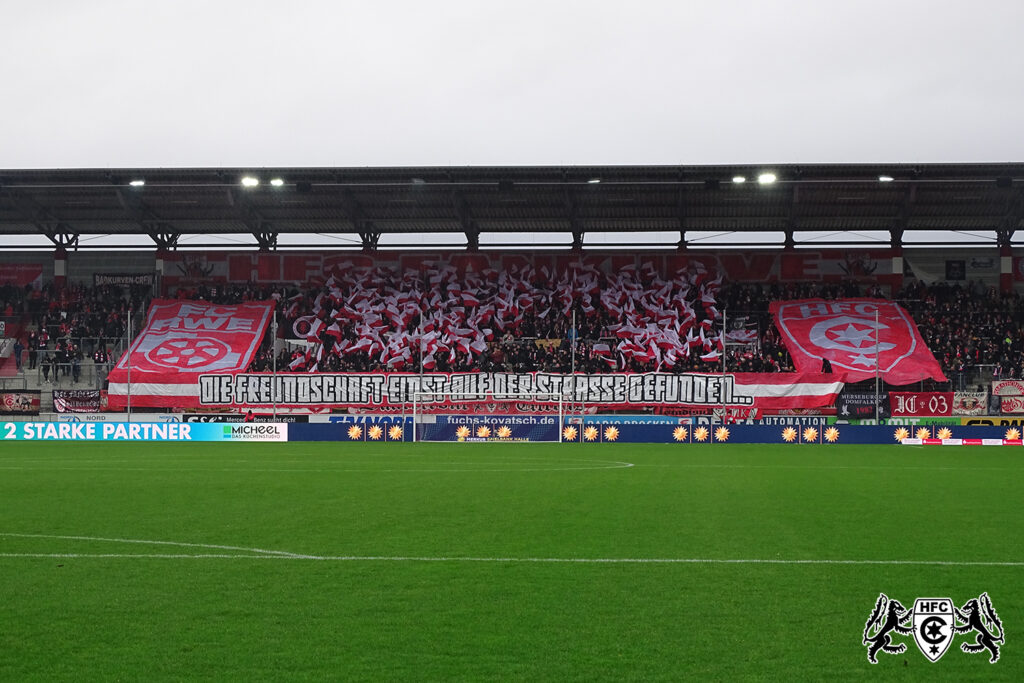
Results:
142 431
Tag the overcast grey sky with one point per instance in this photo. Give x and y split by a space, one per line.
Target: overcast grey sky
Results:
110 83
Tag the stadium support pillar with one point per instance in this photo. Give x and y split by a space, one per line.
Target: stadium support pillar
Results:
60 267
577 241
158 285
1005 268
897 269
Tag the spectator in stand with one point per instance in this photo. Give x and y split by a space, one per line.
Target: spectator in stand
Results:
18 350
62 360
101 360
76 365
33 350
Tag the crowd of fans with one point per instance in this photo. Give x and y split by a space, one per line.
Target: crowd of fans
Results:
68 327
965 326
971 325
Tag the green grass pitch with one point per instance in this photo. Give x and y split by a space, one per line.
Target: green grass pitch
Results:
351 561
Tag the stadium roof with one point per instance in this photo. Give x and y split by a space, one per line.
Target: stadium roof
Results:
845 201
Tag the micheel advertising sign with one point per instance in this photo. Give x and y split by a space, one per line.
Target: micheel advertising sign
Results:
142 431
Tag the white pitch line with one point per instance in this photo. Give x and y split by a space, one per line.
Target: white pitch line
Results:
261 554
136 541
510 560
145 556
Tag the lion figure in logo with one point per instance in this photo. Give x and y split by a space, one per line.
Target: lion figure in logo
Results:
979 615
888 616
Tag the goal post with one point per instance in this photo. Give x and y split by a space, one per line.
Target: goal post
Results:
447 422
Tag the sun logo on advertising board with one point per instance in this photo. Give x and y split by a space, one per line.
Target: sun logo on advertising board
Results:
810 434
590 433
901 433
355 432
462 432
789 435
611 434
944 433
569 434
923 433
679 433
700 434
483 431
722 434
831 435
395 433
504 432
1012 434
375 432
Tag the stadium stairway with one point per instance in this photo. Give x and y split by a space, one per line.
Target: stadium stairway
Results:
8 363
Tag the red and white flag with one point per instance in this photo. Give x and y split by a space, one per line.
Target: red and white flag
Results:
181 341
742 336
854 335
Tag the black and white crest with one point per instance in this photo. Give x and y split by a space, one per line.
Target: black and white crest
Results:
933 626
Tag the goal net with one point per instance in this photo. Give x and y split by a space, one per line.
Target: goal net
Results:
476 417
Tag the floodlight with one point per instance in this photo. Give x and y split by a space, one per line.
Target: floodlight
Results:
593 181
276 182
885 178
739 179
249 181
137 183
766 178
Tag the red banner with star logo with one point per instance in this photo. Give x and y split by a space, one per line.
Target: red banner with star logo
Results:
181 341
858 337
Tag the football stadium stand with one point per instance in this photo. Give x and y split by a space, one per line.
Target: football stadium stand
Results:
522 321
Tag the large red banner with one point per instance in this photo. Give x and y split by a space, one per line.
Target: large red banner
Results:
181 341
825 265
859 338
921 403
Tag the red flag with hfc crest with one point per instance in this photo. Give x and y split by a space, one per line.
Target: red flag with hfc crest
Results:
854 335
181 341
